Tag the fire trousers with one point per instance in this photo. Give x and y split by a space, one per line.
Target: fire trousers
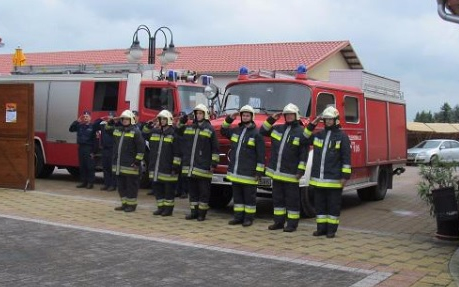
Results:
245 200
87 172
165 193
199 191
327 202
286 202
128 188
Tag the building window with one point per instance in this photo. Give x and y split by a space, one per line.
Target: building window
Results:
106 96
159 99
351 109
324 100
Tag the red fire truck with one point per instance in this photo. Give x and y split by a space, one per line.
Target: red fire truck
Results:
372 113
62 93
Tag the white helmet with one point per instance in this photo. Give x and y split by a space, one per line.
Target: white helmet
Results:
166 114
247 109
330 113
203 109
129 115
292 109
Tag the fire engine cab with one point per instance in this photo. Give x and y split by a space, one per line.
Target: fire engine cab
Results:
62 93
372 113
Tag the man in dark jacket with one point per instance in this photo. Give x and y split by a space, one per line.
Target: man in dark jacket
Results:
289 153
331 167
164 163
106 143
247 164
86 139
128 152
199 157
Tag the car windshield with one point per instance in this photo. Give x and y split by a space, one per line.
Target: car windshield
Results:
267 97
190 97
428 144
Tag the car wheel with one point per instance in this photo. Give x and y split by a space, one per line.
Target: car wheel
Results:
433 159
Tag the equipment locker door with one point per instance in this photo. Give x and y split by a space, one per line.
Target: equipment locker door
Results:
16 136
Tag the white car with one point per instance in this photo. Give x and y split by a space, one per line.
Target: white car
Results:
425 152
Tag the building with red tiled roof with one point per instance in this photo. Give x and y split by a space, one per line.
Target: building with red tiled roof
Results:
222 62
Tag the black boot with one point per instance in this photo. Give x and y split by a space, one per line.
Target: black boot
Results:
121 207
202 214
193 214
130 208
248 220
331 230
159 211
276 225
82 185
292 225
321 229
167 211
238 219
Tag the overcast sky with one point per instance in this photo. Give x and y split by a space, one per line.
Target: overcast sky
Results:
400 39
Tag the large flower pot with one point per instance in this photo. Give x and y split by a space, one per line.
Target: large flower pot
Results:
446 212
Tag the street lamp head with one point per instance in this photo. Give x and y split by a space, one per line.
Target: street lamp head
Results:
135 51
171 54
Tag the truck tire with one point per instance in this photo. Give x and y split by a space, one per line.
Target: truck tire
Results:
377 192
307 203
220 196
74 171
42 170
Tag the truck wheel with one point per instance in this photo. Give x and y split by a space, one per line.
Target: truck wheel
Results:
74 171
378 192
307 203
42 170
220 196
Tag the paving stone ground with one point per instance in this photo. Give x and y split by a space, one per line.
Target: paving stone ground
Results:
386 243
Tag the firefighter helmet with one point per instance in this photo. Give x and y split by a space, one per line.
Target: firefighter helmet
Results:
204 109
330 113
167 115
127 114
247 109
292 109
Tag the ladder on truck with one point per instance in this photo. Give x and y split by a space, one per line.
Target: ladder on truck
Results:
82 69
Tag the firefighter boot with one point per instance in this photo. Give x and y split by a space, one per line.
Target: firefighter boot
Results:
202 214
331 230
167 211
121 207
130 208
193 214
279 222
159 211
321 229
248 221
82 185
291 225
238 218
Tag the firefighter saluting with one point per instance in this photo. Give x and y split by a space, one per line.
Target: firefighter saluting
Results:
289 152
128 151
331 167
247 164
164 163
199 156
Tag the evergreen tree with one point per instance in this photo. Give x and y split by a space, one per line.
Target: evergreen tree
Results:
445 115
424 117
455 117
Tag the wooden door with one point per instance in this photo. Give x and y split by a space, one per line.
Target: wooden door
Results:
16 136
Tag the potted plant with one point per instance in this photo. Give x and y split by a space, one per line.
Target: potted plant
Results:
439 189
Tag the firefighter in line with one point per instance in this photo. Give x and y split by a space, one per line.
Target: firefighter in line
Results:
128 152
331 167
106 143
289 152
164 164
247 164
86 139
199 157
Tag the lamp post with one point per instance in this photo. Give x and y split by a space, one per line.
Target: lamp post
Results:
168 55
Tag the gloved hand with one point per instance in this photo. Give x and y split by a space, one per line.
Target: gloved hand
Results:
184 119
111 122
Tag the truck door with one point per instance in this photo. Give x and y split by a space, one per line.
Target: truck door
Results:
16 136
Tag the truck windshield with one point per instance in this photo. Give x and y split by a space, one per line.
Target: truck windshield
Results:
190 97
267 97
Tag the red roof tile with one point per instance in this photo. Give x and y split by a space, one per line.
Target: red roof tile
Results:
216 59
